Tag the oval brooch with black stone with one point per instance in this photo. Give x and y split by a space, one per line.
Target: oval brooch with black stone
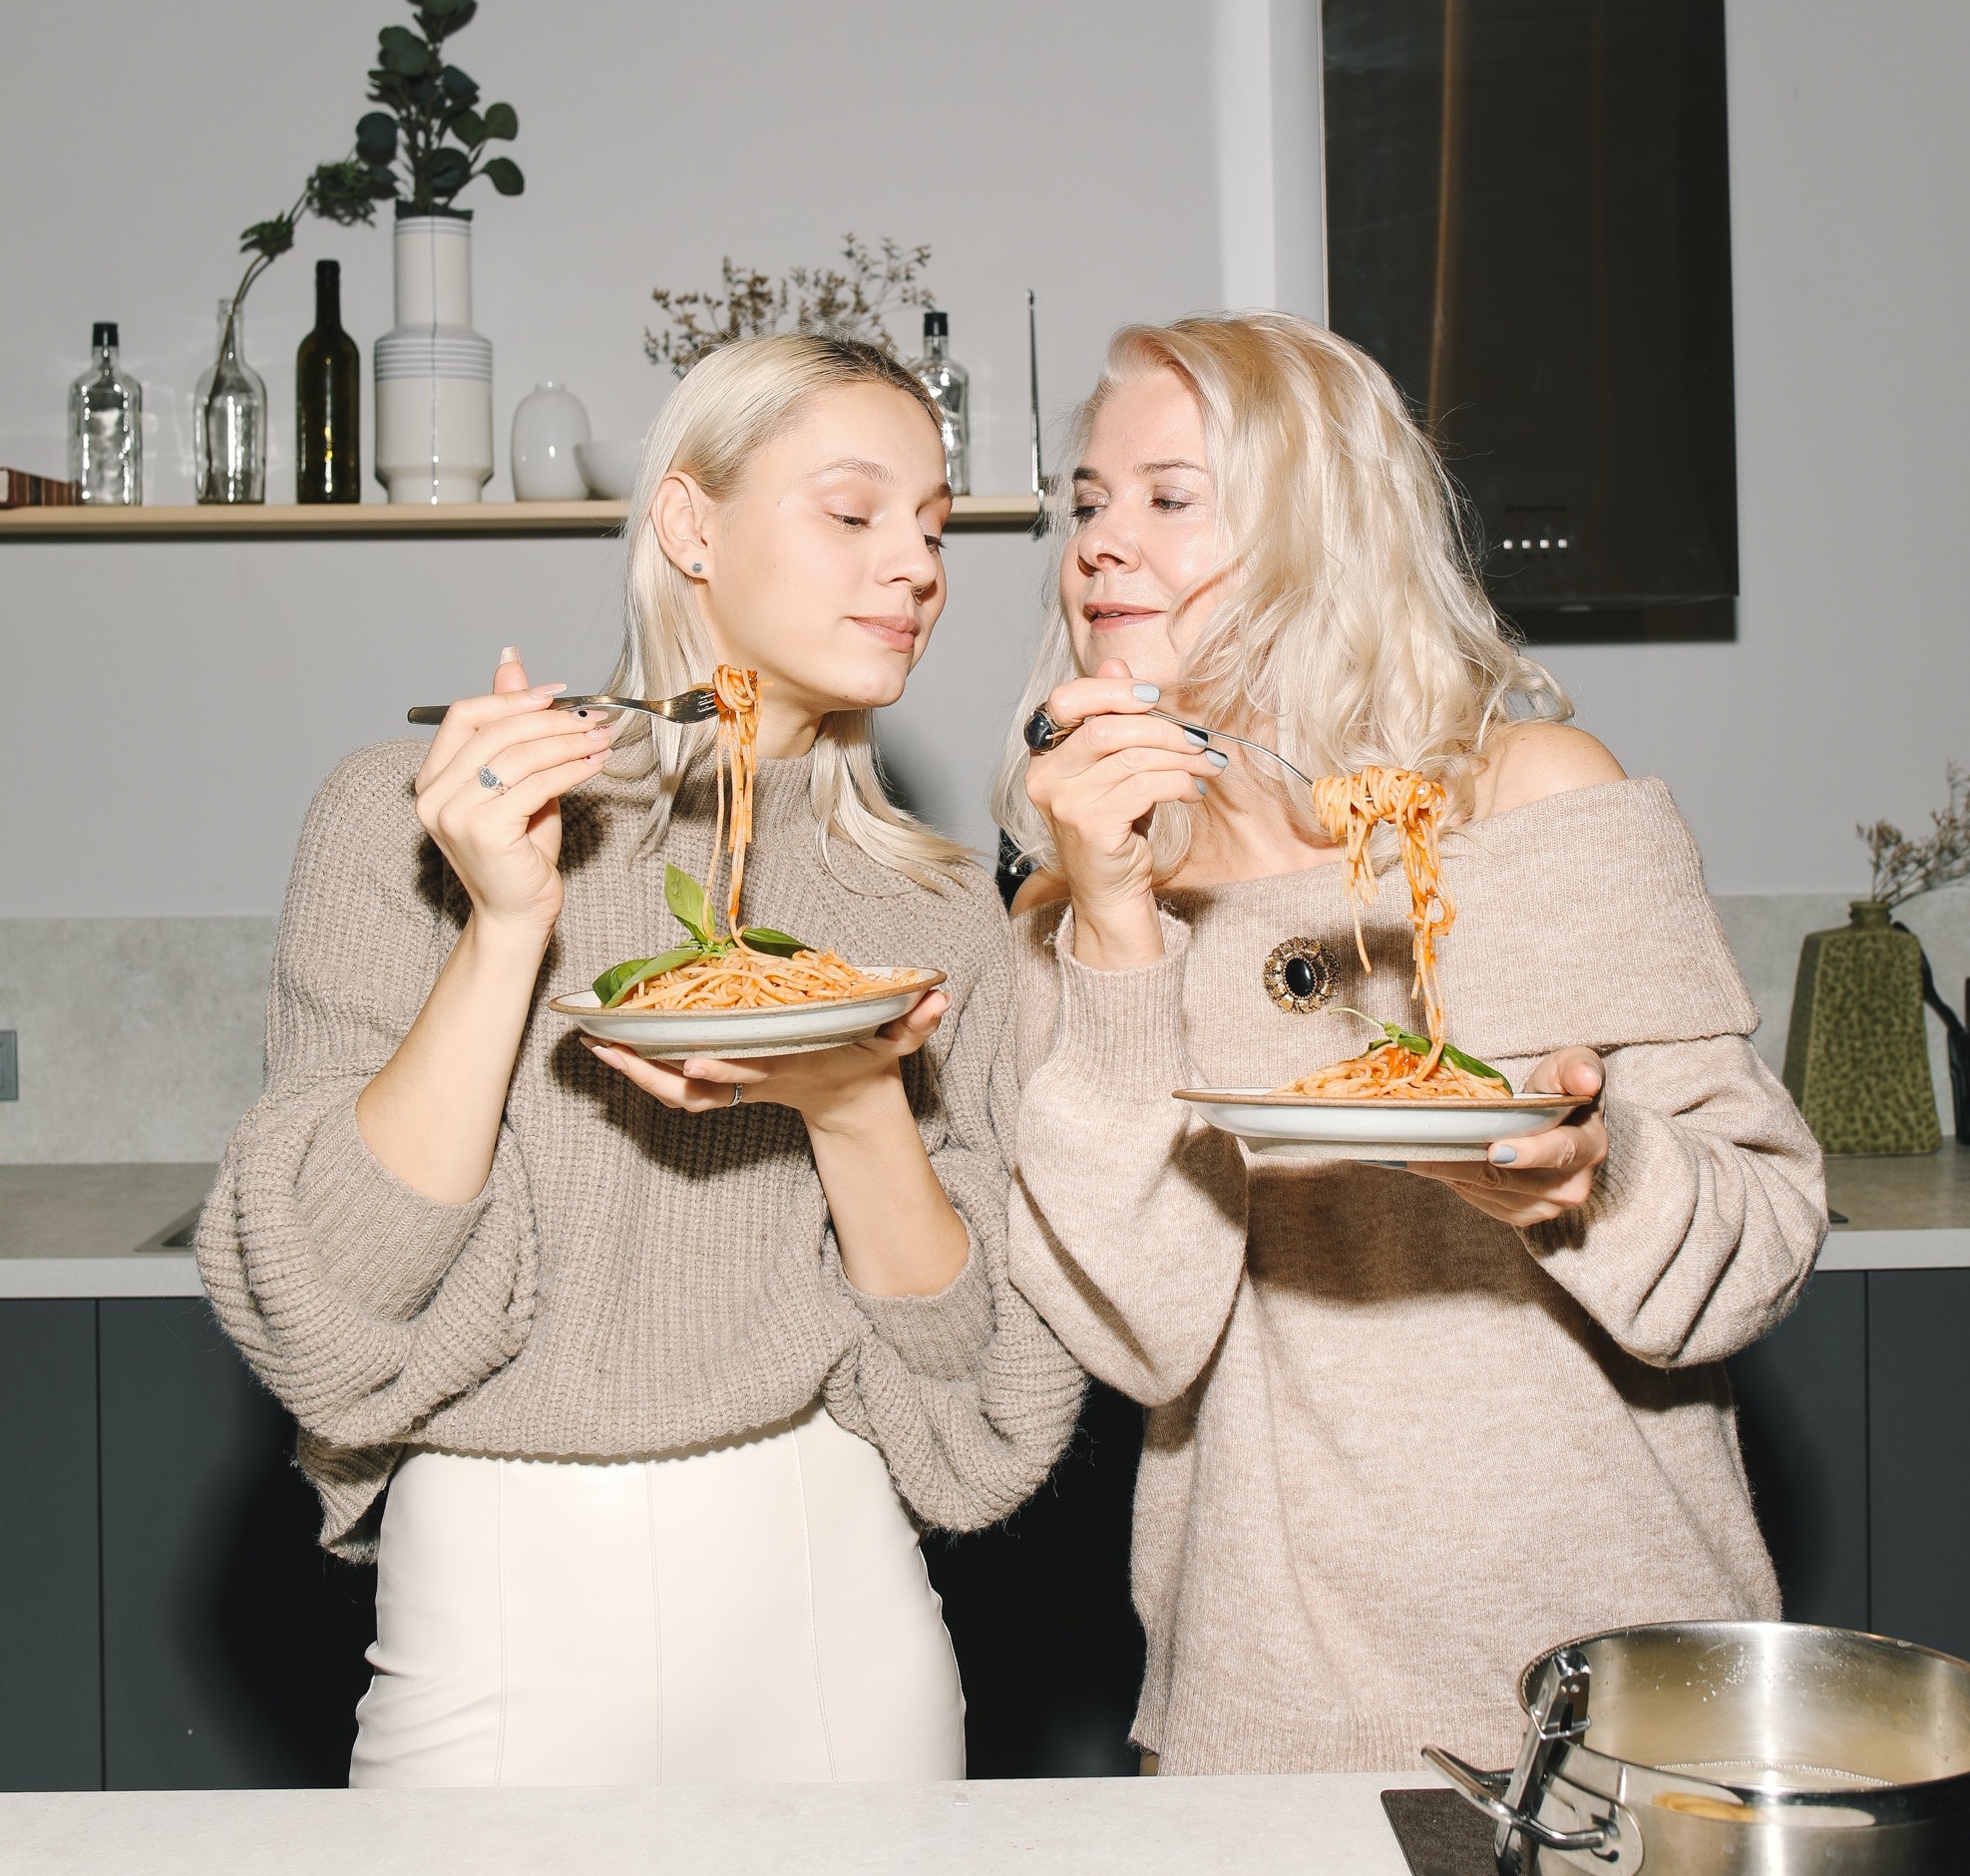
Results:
1300 975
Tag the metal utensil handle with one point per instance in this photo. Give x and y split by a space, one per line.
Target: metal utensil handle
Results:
1225 736
1478 1791
691 706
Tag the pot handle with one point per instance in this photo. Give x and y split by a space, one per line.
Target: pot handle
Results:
1483 1792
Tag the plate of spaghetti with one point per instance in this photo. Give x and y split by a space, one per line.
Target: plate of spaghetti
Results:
1404 1090
742 990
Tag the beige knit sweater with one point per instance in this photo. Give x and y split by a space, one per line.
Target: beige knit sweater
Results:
1395 1449
632 1281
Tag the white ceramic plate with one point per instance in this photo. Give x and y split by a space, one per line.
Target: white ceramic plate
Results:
792 1029
1267 1121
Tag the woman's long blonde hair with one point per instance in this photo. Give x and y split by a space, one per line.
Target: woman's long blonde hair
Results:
728 407
1350 625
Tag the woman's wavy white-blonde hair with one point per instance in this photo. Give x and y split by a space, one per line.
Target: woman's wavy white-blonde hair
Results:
727 407
1350 623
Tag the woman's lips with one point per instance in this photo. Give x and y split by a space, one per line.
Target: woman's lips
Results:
896 631
1110 618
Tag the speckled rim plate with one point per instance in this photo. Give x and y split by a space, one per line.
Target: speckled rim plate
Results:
734 1034
1264 1119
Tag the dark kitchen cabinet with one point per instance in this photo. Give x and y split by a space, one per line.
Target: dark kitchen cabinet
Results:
1918 1338
233 1644
1854 1414
1802 1422
51 1684
171 1621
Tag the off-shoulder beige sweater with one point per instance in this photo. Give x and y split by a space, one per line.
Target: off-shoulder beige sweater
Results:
632 1281
1395 1449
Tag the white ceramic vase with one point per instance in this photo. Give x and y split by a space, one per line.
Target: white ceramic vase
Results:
434 374
548 426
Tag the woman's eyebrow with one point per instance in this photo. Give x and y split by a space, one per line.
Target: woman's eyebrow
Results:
856 466
1174 462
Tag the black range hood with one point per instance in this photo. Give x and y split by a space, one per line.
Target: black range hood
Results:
1528 224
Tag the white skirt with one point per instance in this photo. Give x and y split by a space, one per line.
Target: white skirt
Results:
755 1612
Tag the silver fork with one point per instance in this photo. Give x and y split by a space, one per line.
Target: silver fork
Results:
696 705
1225 736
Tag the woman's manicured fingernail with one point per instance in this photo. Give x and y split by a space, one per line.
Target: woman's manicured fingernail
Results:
1203 786
509 655
1198 740
546 690
1217 758
1502 1155
1147 693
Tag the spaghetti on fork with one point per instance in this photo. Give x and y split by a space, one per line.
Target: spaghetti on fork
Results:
1401 1068
745 967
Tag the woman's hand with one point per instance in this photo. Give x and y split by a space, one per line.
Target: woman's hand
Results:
1097 791
894 1225
1537 1176
503 838
826 1087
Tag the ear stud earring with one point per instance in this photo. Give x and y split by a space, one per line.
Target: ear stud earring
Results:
697 567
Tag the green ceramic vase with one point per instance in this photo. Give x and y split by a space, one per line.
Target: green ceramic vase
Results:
1857 1051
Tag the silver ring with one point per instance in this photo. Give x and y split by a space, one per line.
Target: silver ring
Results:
487 779
739 1092
1043 733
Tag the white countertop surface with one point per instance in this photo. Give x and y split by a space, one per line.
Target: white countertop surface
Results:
92 1230
1320 1825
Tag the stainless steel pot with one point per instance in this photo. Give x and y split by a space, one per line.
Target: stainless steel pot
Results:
1765 1748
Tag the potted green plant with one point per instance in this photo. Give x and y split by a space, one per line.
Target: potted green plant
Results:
1857 1048
427 142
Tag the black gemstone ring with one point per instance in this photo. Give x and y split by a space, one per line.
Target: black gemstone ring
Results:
1043 733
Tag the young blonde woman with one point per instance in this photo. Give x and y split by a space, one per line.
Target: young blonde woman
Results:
1408 1427
637 1378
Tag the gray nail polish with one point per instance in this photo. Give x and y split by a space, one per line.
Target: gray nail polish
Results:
1203 787
1503 1155
1197 738
1217 758
1148 694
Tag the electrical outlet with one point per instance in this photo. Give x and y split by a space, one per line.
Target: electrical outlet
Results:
10 1065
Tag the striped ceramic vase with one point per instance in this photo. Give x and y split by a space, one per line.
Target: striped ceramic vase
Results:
434 374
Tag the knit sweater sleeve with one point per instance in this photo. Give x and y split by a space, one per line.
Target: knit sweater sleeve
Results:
362 1304
1129 1214
1704 1223
968 1393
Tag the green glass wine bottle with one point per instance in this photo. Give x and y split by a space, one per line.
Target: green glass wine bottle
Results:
327 406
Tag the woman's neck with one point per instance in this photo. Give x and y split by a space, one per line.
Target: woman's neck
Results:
785 728
1241 831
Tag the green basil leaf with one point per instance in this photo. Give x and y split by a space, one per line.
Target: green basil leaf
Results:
613 986
1472 1066
762 937
686 898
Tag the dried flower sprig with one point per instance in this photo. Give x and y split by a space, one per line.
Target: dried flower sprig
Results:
1903 868
842 304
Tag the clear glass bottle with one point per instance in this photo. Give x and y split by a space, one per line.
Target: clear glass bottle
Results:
950 386
106 427
229 420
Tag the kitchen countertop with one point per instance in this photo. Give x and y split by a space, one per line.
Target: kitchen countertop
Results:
92 1230
95 1231
1328 1824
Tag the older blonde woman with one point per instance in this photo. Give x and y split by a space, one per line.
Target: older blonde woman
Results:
1406 1427
631 1375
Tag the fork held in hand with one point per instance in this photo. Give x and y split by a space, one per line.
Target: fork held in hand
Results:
697 705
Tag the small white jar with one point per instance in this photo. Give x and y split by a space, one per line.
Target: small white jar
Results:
548 426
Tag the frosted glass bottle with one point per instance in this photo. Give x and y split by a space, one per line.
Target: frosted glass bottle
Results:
106 427
229 420
950 386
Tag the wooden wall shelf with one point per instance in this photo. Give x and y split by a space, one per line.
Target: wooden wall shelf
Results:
382 520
